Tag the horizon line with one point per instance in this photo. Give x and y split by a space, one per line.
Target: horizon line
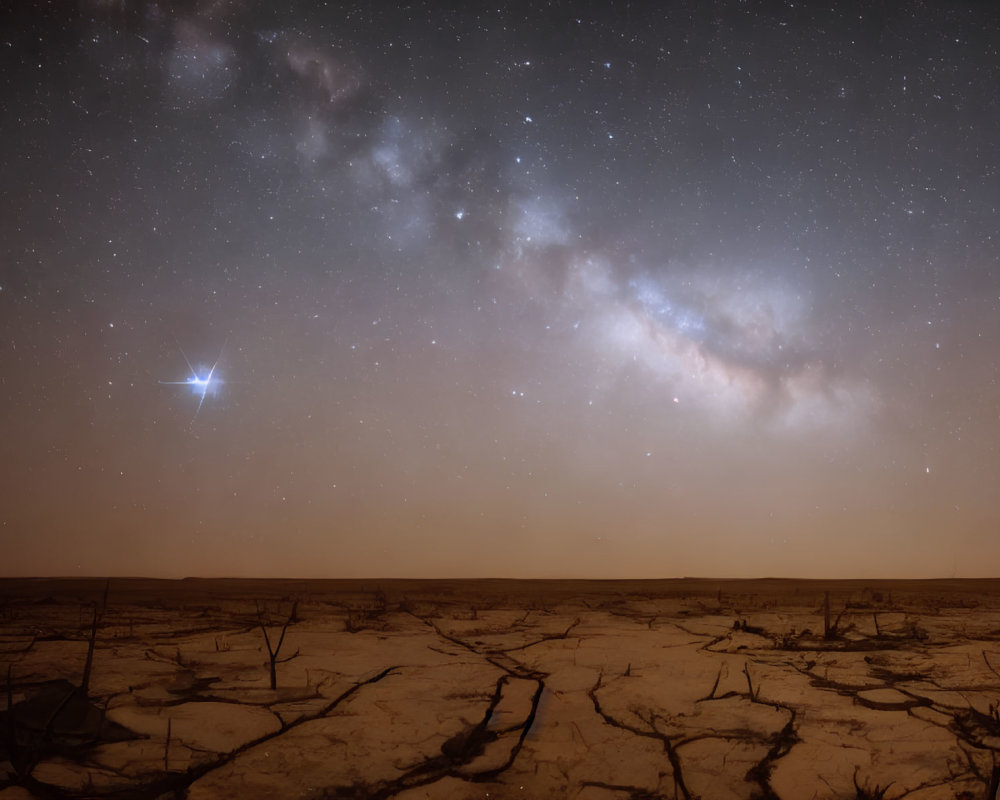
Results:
581 578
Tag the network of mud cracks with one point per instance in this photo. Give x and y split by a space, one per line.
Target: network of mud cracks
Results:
590 690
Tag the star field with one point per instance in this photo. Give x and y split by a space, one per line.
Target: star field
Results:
583 290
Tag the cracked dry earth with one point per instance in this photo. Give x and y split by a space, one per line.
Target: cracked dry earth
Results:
501 689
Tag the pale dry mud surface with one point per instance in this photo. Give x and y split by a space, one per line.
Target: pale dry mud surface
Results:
590 690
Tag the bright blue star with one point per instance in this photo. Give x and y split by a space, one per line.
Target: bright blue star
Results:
201 384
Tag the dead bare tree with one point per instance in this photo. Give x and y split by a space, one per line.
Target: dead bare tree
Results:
832 630
867 791
994 784
275 650
166 747
98 614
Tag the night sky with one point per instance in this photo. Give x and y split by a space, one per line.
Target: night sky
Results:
586 290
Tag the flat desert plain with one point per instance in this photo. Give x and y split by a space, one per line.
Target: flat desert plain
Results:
590 690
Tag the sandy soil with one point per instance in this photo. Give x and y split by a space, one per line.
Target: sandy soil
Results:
500 689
